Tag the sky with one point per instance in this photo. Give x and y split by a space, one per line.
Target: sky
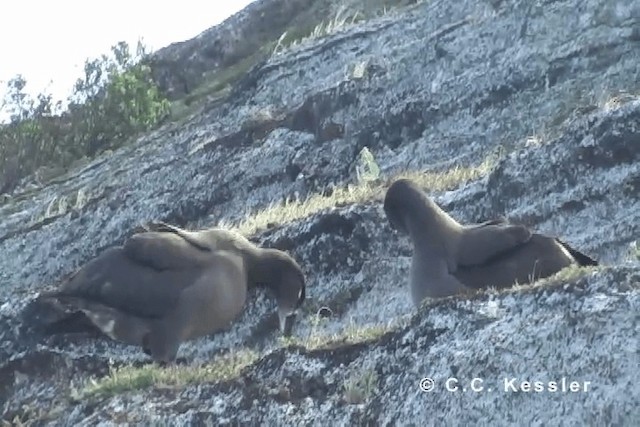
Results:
49 40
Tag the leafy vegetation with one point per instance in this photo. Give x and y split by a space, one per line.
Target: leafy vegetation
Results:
117 99
114 101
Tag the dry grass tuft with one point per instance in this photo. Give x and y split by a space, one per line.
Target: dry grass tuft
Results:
360 386
367 191
61 205
342 19
350 334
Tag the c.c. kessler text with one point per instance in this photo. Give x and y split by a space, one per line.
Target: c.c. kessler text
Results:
518 385
563 385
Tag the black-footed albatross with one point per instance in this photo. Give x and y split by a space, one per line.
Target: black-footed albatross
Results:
165 285
450 258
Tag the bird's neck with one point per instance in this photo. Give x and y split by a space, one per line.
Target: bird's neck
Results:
429 227
259 266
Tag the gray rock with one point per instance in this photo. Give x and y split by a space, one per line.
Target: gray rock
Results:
445 84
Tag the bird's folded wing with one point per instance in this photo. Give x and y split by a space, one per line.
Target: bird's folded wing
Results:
117 281
482 242
165 251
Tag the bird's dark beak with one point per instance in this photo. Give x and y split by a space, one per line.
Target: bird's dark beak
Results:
286 318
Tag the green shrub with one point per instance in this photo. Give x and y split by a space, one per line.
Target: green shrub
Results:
114 101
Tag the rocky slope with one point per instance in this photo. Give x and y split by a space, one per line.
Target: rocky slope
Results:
548 85
251 35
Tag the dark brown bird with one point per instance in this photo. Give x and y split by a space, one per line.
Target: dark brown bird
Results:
166 285
450 258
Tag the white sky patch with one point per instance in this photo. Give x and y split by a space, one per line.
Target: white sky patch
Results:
48 41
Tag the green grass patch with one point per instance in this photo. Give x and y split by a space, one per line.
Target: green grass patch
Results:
129 378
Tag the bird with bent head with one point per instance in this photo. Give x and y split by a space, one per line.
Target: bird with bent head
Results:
165 285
